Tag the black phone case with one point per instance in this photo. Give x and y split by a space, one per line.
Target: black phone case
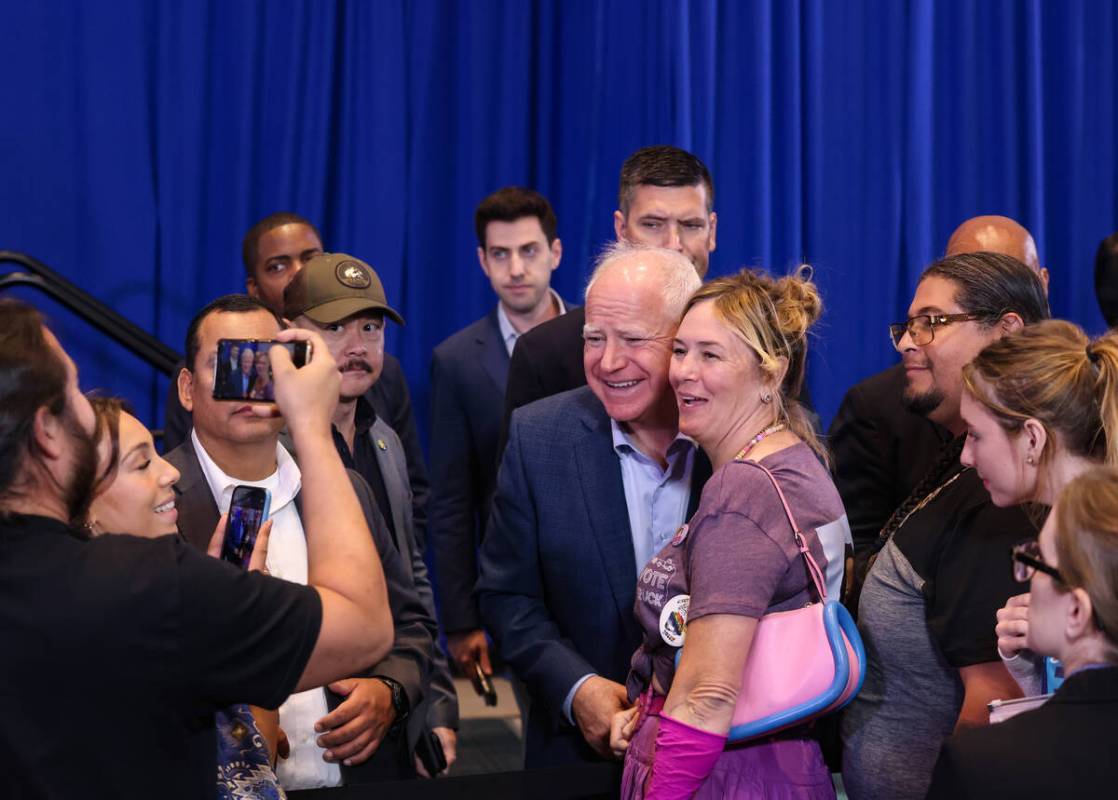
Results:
430 752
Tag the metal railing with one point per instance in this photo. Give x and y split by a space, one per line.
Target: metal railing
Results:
39 276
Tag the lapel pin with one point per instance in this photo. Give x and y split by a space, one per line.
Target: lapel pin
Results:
381 444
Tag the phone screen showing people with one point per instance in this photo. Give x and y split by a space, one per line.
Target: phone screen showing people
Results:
242 370
247 512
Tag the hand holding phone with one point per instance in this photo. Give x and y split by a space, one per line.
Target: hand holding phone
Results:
242 368
247 512
483 685
307 397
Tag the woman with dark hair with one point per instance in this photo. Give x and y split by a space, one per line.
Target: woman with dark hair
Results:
738 353
134 495
1064 748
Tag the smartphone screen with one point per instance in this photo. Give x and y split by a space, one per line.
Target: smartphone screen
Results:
247 512
242 370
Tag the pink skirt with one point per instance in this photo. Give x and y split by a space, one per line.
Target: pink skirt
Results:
772 769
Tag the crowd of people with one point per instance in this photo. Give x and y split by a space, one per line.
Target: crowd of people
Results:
619 494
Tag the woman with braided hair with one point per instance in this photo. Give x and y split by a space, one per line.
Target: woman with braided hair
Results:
939 577
1041 408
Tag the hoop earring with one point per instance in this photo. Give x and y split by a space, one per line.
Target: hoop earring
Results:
766 398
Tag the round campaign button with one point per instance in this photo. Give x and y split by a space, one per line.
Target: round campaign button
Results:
673 620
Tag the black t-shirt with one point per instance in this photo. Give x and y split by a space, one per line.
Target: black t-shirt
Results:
928 609
363 459
115 652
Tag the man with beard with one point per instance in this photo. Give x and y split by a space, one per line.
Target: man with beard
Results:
143 639
342 299
929 601
881 448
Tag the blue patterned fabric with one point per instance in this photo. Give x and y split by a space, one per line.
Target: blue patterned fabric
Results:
243 768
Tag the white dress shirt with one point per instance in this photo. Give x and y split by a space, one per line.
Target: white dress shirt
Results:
287 559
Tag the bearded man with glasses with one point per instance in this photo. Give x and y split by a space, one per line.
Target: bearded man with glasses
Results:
938 575
881 450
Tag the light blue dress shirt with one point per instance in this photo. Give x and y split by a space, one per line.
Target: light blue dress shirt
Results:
657 501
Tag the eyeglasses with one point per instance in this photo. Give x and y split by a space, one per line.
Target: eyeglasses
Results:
922 328
1027 560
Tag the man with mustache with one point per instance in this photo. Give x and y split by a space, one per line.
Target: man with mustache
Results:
342 298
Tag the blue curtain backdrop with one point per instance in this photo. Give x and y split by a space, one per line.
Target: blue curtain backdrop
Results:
142 137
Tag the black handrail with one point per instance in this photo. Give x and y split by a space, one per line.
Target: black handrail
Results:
89 308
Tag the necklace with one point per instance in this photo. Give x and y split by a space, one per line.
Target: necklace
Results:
769 431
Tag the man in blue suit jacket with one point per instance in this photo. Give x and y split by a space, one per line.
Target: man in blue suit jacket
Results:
518 248
593 481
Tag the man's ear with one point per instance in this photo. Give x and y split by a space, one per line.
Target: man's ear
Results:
49 434
1010 322
619 225
713 231
251 288
556 253
186 389
481 261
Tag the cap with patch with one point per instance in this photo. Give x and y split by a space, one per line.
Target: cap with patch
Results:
333 286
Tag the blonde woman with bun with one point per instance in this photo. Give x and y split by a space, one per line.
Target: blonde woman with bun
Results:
1065 748
1041 408
737 365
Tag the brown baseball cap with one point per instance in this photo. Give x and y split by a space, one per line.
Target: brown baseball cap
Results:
333 286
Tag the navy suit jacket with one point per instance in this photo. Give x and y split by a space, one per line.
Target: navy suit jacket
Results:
558 571
468 375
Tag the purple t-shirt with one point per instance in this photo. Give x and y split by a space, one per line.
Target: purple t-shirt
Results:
736 555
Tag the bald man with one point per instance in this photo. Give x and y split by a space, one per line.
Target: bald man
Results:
997 234
881 449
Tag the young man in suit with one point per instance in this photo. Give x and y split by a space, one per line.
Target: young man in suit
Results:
593 481
274 250
518 249
342 299
665 199
362 718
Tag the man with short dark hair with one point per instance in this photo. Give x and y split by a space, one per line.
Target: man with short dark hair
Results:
143 639
361 719
343 299
665 199
518 249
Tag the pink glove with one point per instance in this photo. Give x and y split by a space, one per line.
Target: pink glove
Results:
684 757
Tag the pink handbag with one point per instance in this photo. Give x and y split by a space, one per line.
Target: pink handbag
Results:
802 663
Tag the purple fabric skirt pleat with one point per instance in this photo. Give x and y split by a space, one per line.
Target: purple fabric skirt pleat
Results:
782 769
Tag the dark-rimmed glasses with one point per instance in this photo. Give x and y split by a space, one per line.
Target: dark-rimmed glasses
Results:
1027 560
922 327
